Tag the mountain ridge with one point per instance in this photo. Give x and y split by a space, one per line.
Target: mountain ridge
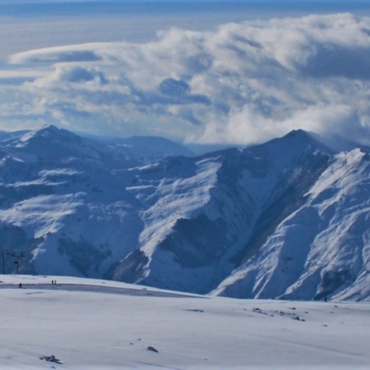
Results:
209 224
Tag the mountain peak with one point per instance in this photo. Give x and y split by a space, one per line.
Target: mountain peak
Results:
49 142
298 134
48 127
282 151
48 132
303 137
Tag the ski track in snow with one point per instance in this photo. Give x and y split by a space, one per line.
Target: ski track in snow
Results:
96 289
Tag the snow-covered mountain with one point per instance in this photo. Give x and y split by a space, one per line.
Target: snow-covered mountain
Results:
322 248
285 219
202 225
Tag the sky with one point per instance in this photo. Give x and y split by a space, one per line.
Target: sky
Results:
205 72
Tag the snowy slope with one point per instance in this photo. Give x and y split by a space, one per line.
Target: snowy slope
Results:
97 324
285 219
63 209
245 196
321 249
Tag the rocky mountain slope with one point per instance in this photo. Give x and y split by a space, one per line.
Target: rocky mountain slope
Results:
320 249
287 219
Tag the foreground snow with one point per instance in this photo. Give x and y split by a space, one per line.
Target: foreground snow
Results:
108 325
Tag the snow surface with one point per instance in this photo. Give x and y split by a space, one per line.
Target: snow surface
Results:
97 324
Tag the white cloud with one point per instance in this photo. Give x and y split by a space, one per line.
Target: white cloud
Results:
245 82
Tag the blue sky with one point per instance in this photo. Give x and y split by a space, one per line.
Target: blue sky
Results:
207 72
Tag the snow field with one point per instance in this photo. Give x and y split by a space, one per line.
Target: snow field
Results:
90 327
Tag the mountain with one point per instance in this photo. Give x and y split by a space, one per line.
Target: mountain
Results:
63 207
321 248
51 142
285 219
201 225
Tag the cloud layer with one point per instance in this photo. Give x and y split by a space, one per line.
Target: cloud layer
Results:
243 83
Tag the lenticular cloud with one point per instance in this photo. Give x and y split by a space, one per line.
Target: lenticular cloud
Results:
245 82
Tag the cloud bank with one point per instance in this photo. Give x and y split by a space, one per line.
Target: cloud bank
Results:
243 83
